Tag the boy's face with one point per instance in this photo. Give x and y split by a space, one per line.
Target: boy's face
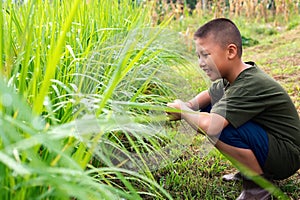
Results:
212 58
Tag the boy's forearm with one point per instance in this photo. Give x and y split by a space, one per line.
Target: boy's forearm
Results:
200 101
205 123
198 121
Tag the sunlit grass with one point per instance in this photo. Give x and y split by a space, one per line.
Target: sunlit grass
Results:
83 98
70 70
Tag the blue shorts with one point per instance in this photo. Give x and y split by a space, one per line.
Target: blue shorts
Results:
248 136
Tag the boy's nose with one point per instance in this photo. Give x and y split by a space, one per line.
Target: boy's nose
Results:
201 62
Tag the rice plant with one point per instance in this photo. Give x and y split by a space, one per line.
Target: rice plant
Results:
80 83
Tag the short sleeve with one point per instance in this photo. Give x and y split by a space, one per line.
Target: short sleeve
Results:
216 91
238 106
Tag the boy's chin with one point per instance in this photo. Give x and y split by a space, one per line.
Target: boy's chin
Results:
214 78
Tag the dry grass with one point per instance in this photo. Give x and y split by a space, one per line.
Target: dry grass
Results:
279 11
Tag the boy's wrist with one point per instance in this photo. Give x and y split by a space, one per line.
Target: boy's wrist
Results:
189 104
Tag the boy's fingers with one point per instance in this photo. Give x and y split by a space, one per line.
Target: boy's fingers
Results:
172 117
170 104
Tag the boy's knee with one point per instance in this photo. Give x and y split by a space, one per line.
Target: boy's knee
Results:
248 136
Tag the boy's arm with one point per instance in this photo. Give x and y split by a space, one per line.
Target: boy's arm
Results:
200 101
209 123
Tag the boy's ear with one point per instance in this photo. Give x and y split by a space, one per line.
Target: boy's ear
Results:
232 51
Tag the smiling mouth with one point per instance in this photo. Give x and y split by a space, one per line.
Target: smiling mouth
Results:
207 71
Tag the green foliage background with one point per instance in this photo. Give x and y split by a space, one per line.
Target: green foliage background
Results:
82 97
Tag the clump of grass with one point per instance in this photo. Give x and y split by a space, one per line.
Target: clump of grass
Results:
77 98
293 24
196 176
266 31
248 42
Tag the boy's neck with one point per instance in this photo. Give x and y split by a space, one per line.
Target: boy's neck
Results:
235 71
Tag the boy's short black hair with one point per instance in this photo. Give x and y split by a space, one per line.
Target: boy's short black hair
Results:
224 32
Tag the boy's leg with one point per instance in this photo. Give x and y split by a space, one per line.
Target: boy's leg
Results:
248 145
243 156
230 133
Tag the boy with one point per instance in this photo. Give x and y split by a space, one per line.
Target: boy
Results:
252 118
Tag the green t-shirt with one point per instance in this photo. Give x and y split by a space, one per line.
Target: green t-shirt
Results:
257 97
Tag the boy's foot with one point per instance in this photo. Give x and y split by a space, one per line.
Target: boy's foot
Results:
251 191
254 194
233 177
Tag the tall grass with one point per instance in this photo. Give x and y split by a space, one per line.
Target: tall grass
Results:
79 83
82 99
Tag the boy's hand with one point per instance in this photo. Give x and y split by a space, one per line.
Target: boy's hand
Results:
178 104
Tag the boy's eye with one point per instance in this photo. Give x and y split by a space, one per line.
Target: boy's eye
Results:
204 55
